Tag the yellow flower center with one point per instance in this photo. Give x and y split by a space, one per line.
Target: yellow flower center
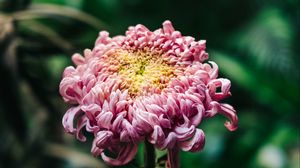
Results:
141 71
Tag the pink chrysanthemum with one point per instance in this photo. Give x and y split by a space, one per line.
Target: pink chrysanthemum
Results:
145 85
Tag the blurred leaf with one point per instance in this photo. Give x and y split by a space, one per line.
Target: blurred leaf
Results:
267 40
252 81
74 3
13 5
35 114
284 135
55 65
47 10
47 32
76 158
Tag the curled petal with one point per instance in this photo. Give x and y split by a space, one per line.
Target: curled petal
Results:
154 109
229 112
69 117
193 98
124 155
164 122
157 135
88 53
168 27
103 38
128 133
141 122
197 118
225 87
214 70
183 133
172 105
102 139
170 141
91 127
70 89
203 55
95 150
78 59
121 105
104 119
117 123
213 109
202 75
194 144
91 111
69 71
81 124
151 118
183 106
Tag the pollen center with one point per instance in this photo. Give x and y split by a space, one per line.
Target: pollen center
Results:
142 71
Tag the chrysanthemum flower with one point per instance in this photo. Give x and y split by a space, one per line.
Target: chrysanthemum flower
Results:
145 85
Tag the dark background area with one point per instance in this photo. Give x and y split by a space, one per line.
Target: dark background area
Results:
255 43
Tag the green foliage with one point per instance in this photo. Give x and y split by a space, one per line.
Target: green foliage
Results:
255 43
267 42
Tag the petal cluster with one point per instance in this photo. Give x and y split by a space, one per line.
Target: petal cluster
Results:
167 116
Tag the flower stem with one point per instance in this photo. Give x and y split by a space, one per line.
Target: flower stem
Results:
173 158
149 155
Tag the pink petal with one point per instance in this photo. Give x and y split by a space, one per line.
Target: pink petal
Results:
194 144
81 124
229 112
78 59
125 154
157 135
104 119
69 117
102 139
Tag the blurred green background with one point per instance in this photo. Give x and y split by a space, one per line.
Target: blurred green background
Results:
256 43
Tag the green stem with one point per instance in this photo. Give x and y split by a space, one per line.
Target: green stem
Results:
149 155
173 157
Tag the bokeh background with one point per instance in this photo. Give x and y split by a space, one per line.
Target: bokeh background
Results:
256 43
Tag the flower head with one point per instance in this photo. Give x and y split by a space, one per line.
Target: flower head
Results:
145 85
